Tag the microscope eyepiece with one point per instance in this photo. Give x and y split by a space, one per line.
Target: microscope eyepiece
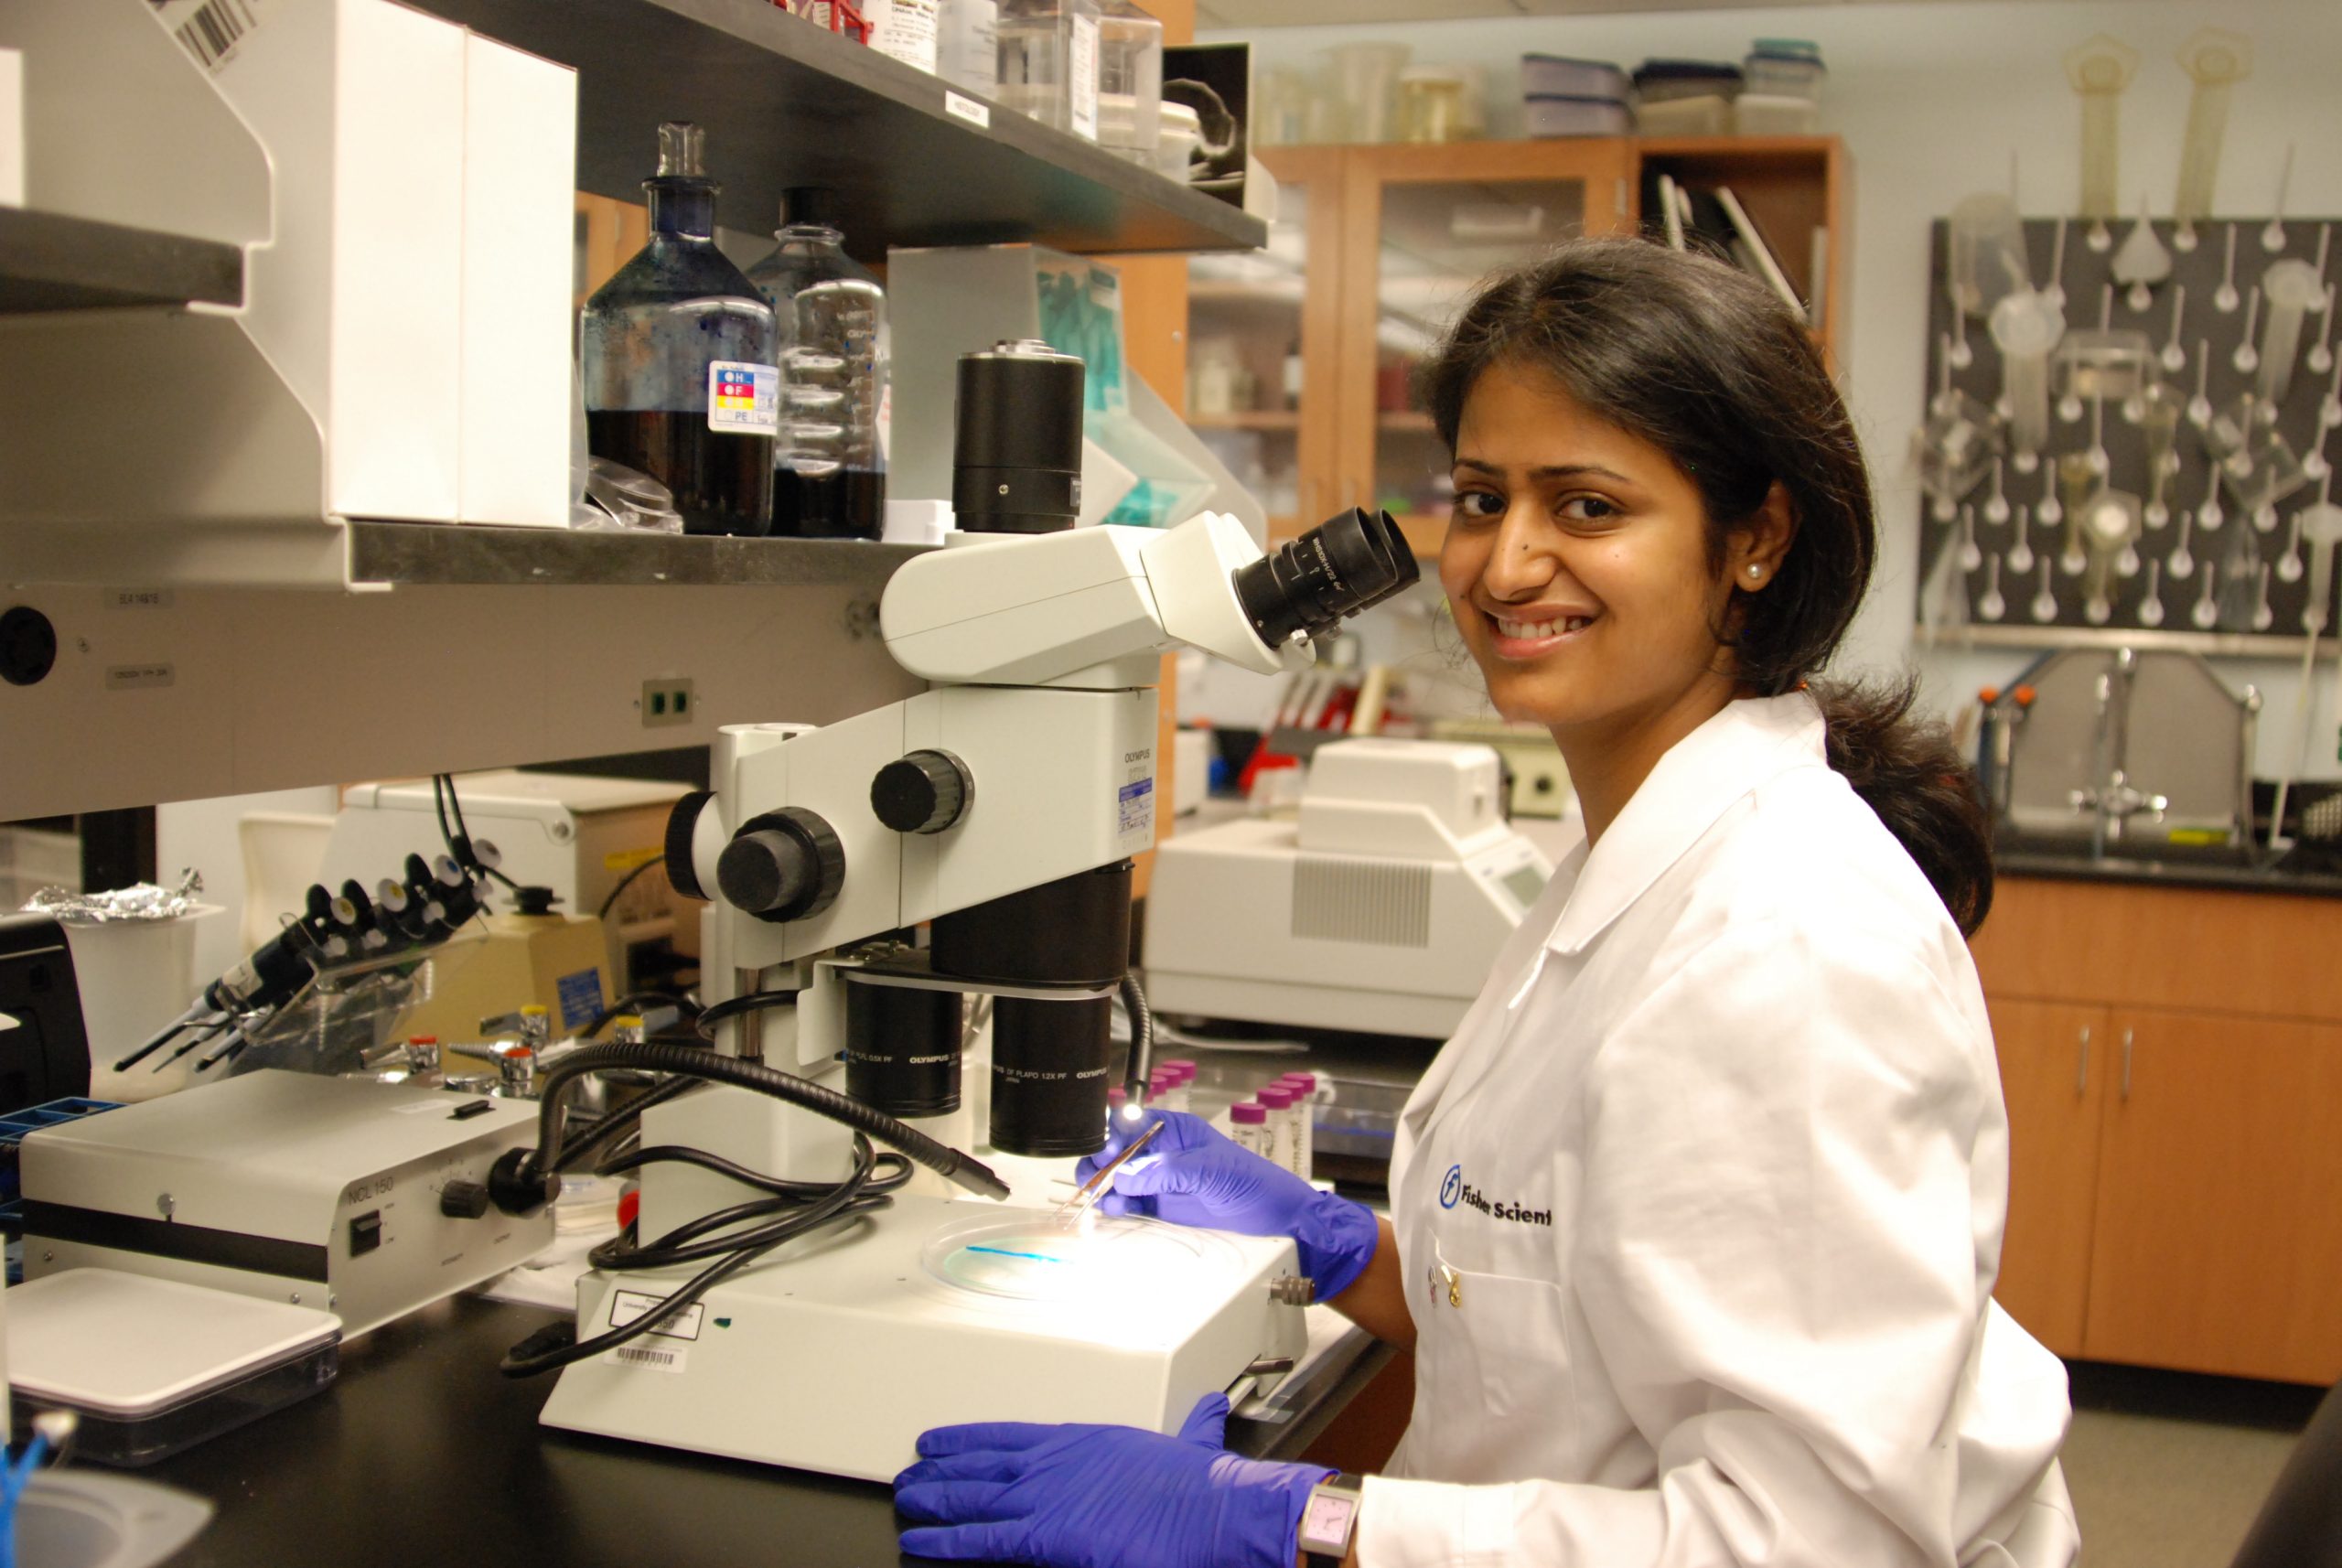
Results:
1310 584
1016 440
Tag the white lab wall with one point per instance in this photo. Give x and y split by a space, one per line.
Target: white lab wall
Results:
203 834
1931 98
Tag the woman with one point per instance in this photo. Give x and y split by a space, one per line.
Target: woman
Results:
1698 1215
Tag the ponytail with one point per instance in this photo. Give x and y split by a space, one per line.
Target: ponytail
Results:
1906 769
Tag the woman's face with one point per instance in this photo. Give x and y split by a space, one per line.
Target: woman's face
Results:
1576 561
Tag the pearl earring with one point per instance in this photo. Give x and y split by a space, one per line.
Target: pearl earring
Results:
1755 570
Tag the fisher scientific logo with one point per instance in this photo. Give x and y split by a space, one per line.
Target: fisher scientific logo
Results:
1453 1189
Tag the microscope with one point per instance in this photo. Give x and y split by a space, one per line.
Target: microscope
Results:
999 809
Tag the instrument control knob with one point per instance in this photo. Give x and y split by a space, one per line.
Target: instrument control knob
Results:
783 865
923 792
463 1200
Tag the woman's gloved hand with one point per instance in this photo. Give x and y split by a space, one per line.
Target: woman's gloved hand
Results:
1102 1496
1193 1175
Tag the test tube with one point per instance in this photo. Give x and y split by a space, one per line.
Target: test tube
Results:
1249 1125
1305 1088
1285 1126
2288 287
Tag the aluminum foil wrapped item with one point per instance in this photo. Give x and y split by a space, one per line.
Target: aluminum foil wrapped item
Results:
145 901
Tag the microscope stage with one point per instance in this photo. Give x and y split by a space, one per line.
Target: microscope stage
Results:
839 1351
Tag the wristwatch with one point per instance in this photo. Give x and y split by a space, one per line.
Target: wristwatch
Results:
1328 1520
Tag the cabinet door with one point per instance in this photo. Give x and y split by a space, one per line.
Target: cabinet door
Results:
1263 340
1421 227
2054 1066
2217 1246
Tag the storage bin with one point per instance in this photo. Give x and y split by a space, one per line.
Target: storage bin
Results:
1659 80
1783 75
1558 76
1551 115
1709 114
1764 114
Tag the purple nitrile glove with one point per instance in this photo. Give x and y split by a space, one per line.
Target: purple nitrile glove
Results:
1102 1496
1193 1175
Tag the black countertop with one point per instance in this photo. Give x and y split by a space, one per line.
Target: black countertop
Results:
2212 874
421 1452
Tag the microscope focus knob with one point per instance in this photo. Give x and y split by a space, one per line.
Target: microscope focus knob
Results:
924 792
783 865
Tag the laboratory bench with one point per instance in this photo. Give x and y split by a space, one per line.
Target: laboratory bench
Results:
421 1452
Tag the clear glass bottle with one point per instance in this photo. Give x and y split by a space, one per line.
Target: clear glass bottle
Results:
830 479
1130 81
1048 62
680 357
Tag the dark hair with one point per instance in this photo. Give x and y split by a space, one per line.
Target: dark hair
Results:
1703 361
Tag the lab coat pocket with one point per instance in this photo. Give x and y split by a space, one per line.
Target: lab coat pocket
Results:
1494 1374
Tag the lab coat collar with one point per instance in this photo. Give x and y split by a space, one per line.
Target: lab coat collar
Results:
1751 742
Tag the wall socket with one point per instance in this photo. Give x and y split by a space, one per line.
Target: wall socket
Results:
666 702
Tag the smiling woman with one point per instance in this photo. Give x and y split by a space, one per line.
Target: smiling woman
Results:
1661 505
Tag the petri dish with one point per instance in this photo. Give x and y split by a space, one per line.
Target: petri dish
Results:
1037 1258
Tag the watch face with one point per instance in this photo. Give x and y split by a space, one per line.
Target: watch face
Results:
1326 1522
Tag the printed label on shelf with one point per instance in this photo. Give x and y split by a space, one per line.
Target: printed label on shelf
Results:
139 598
626 1305
137 677
968 109
1084 68
210 30
743 399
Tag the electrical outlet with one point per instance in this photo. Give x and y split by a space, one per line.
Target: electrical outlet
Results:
666 702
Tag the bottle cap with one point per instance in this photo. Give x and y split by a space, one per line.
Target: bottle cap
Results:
1249 1116
1304 1081
535 1010
1275 1098
1117 1095
1180 1063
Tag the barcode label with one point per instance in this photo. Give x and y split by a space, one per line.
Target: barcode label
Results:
212 34
645 1355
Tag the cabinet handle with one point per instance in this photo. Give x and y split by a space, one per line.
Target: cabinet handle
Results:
2126 1063
2082 1072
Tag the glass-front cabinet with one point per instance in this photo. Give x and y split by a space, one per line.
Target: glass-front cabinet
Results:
1301 357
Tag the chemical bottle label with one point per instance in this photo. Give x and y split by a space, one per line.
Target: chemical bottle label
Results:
743 399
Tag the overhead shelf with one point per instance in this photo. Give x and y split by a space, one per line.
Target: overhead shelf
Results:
482 554
787 104
50 262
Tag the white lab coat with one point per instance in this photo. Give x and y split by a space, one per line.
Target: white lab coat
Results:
1699 1212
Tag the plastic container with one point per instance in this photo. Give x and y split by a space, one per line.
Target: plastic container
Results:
1549 117
1363 80
1048 62
1657 80
830 462
1305 1089
681 358
154 1367
1764 114
1249 1125
1284 1127
967 46
1559 76
1707 115
1431 105
1130 81
1777 68
1177 143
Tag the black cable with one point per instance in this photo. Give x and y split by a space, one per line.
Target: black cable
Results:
684 1245
739 1007
659 1056
624 882
1142 1017
620 1119
544 1352
459 842
774 1187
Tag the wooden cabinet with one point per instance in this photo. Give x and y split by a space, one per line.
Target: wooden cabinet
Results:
2171 1060
1300 356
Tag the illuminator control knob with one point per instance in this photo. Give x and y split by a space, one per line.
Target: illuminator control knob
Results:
924 792
783 865
463 1200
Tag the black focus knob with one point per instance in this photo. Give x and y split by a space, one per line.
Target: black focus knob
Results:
463 1200
682 823
784 866
924 792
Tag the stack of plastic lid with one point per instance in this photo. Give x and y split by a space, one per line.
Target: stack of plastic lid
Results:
1564 97
1685 97
1782 90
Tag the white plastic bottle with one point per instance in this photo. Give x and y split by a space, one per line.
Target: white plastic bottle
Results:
968 46
1285 1134
1249 1125
1305 1108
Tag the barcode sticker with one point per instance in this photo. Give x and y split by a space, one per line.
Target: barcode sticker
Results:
656 1358
968 109
212 30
